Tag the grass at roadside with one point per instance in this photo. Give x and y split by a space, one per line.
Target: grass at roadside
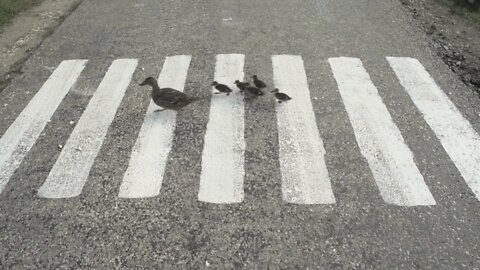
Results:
462 7
9 8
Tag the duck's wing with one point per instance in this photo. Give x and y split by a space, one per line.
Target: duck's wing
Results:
260 84
254 91
171 95
224 88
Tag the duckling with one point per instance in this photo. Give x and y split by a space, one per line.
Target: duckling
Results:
258 83
253 91
168 98
281 97
242 85
222 88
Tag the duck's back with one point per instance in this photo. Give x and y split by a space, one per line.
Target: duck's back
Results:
168 97
258 83
254 91
282 96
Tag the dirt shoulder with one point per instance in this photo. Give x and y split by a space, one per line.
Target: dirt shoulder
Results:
454 38
26 32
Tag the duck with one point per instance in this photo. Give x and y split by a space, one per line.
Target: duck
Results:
253 91
241 85
281 97
258 83
222 88
168 98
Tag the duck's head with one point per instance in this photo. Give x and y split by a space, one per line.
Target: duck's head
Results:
237 82
254 77
215 83
149 81
275 90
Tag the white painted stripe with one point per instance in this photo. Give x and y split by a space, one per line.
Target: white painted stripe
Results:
379 139
70 172
460 140
148 161
302 155
22 134
222 175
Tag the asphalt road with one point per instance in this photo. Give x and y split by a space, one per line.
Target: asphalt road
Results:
360 229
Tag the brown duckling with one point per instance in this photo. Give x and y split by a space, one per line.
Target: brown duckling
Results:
281 97
222 88
258 83
253 91
168 98
241 85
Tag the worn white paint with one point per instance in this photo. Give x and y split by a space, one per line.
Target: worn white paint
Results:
221 180
460 140
149 158
70 172
379 139
305 177
22 134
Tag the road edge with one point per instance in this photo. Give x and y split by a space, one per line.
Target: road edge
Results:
26 32
455 48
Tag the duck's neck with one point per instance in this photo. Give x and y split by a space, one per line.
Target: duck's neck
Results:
155 87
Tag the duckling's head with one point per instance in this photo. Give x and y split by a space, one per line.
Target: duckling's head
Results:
275 90
149 81
215 83
237 82
254 77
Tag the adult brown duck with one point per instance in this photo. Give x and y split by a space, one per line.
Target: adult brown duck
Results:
168 98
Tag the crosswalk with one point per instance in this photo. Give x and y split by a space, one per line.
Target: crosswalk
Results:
456 134
149 156
70 172
22 134
379 139
221 180
302 164
304 174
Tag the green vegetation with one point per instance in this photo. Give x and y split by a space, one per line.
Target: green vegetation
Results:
9 8
461 6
